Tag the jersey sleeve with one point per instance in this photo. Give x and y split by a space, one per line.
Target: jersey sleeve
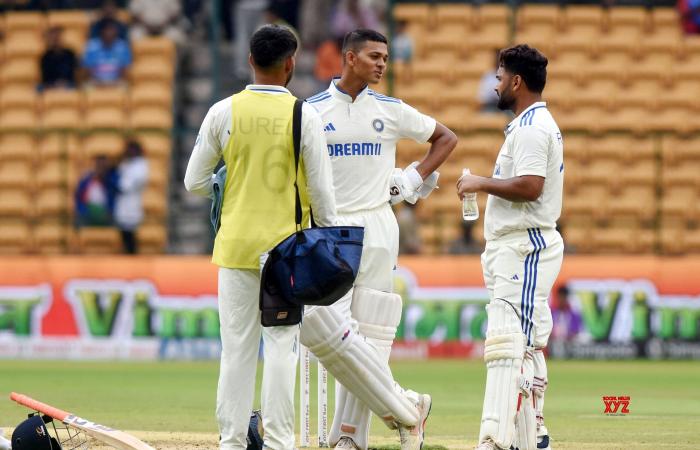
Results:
205 156
530 151
317 163
415 125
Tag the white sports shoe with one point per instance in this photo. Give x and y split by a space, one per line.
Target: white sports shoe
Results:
412 437
346 443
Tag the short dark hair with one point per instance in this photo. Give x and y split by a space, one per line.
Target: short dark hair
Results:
527 62
354 40
271 45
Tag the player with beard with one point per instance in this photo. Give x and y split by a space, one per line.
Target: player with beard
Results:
523 254
362 127
252 132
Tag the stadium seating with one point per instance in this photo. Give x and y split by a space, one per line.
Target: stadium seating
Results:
48 139
623 84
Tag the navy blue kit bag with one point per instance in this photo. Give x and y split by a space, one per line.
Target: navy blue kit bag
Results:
313 266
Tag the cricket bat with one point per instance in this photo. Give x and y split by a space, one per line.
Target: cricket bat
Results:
115 438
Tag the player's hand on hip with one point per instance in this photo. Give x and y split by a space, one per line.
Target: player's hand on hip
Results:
404 185
468 184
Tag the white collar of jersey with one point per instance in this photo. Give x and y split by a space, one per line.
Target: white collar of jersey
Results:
511 126
342 95
267 88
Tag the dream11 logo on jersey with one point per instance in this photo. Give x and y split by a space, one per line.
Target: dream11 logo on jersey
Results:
616 406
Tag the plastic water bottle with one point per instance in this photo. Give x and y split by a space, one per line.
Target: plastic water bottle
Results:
470 209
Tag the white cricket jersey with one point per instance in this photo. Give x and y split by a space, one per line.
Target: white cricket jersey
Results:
533 146
361 139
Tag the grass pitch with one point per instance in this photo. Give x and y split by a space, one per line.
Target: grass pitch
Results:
171 404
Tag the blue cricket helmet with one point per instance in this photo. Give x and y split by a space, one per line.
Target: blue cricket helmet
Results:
33 435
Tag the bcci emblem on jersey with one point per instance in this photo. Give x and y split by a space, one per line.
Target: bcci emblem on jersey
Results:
378 125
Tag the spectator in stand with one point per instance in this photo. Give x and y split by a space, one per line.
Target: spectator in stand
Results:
109 13
107 57
58 63
690 15
402 44
128 209
314 20
95 195
157 18
465 243
488 99
351 15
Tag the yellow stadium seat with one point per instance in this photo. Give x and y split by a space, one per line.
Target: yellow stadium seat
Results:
541 17
60 145
103 143
448 14
15 203
69 19
19 119
23 21
20 71
567 65
154 204
106 117
54 203
149 47
50 238
19 98
158 174
672 232
52 98
20 146
668 39
151 94
56 174
15 174
151 117
420 13
156 68
155 144
15 237
151 239
676 150
692 241
680 201
590 200
23 46
665 18
62 117
98 240
110 97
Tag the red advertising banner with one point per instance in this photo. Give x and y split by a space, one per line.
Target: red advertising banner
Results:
165 307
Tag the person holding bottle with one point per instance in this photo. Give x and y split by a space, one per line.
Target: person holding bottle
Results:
523 254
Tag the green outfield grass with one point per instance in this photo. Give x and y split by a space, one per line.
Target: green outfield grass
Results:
179 397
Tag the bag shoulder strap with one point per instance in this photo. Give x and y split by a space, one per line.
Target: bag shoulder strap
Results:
296 138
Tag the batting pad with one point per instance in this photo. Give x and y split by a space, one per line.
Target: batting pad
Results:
525 419
378 315
503 353
355 364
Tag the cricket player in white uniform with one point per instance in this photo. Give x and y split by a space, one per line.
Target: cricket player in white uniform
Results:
252 132
362 128
523 255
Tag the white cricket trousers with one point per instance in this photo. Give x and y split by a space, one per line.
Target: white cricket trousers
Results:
239 318
521 268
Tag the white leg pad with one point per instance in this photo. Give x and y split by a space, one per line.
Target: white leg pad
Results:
503 353
525 420
539 386
378 315
356 365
